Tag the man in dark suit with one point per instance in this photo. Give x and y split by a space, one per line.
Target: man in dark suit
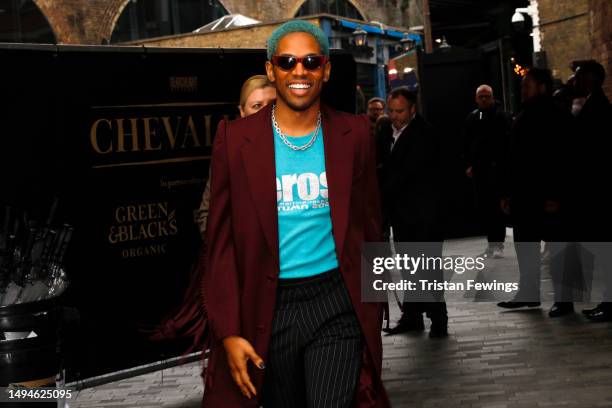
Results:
592 223
293 197
410 190
485 133
533 182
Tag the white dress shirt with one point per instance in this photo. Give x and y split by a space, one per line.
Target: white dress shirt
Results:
396 134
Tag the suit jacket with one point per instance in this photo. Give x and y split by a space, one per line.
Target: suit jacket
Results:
240 281
410 176
485 134
593 125
536 163
591 150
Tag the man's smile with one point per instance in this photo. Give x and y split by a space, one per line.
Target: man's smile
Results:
299 88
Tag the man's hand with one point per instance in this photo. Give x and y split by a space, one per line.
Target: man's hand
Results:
469 172
551 206
505 205
239 351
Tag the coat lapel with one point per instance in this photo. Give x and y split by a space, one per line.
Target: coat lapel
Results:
258 156
259 162
339 156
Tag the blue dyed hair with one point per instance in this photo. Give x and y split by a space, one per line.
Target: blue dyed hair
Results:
297 26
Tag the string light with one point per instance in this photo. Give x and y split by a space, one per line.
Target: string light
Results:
520 70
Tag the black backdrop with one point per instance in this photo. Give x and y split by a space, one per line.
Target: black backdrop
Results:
122 136
448 80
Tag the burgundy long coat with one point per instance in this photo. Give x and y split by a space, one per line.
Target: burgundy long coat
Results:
239 284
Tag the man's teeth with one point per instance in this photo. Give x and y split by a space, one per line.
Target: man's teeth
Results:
299 86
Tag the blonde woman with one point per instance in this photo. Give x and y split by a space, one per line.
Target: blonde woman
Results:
256 92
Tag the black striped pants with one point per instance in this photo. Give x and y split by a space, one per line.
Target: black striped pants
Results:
315 351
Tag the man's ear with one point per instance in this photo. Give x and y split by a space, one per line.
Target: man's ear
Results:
270 71
413 108
326 71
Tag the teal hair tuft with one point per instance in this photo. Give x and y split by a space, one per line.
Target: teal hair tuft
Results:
297 26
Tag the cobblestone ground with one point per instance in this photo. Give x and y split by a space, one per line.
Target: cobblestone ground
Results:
492 359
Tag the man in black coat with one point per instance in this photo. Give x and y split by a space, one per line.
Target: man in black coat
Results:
593 219
485 134
408 151
532 182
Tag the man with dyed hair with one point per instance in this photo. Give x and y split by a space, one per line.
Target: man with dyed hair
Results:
293 197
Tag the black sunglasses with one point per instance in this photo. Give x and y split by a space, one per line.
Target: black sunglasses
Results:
288 62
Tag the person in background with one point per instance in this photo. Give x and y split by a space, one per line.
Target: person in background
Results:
380 121
376 109
410 190
485 134
256 92
533 184
592 221
564 97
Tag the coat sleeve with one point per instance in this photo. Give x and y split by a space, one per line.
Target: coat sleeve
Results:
220 281
558 154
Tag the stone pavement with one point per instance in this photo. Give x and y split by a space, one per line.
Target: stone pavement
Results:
492 359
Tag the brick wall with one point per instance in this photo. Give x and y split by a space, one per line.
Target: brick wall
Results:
385 11
246 37
92 21
565 31
601 36
81 21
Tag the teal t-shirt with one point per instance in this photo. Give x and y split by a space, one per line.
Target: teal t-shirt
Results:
306 242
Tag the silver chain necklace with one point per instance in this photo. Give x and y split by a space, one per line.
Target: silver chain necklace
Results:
287 142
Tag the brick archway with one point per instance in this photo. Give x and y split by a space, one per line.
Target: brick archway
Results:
124 3
293 10
47 19
74 22
116 16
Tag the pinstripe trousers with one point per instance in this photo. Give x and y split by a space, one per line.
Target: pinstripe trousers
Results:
314 357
